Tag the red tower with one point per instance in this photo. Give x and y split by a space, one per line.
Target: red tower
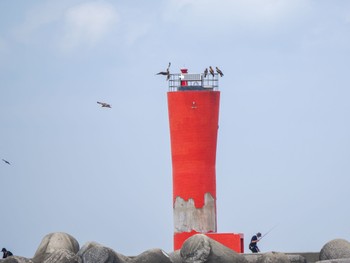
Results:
193 104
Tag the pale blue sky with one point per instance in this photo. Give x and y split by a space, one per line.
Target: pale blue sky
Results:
104 175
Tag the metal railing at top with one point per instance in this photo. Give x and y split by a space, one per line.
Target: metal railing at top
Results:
188 81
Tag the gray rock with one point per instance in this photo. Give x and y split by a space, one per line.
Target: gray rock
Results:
335 249
56 242
273 257
253 258
199 249
304 257
297 259
93 252
152 256
62 256
16 259
340 260
175 256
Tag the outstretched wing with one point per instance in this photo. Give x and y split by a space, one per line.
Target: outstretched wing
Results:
6 161
162 73
104 104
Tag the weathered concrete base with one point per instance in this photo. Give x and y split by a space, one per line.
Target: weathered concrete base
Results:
188 218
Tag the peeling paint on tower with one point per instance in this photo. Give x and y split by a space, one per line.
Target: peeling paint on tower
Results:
188 218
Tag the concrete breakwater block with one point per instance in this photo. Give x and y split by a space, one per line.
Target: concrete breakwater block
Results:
335 249
199 249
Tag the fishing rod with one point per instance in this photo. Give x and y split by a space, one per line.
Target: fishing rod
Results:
272 228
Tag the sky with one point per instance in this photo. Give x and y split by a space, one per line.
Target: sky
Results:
105 175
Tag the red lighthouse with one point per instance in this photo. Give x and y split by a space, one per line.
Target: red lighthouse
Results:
193 104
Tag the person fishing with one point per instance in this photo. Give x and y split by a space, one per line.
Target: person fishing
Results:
253 246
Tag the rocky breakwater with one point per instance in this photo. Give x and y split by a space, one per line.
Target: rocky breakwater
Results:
63 248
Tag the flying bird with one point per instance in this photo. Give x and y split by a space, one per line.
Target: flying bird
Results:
166 73
104 104
219 72
168 66
6 161
211 71
206 72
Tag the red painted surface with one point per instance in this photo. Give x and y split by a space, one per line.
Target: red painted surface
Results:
193 117
230 240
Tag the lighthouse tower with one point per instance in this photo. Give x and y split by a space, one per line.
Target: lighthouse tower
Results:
193 105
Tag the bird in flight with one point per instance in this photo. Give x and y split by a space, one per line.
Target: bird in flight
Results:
6 161
165 73
168 66
162 73
219 72
211 71
104 104
206 72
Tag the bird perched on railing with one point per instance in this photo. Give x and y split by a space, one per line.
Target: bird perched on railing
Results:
165 73
219 72
206 72
104 104
211 71
7 162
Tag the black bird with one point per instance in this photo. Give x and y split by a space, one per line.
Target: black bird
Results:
168 75
219 71
104 104
206 72
165 73
6 161
168 67
211 71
